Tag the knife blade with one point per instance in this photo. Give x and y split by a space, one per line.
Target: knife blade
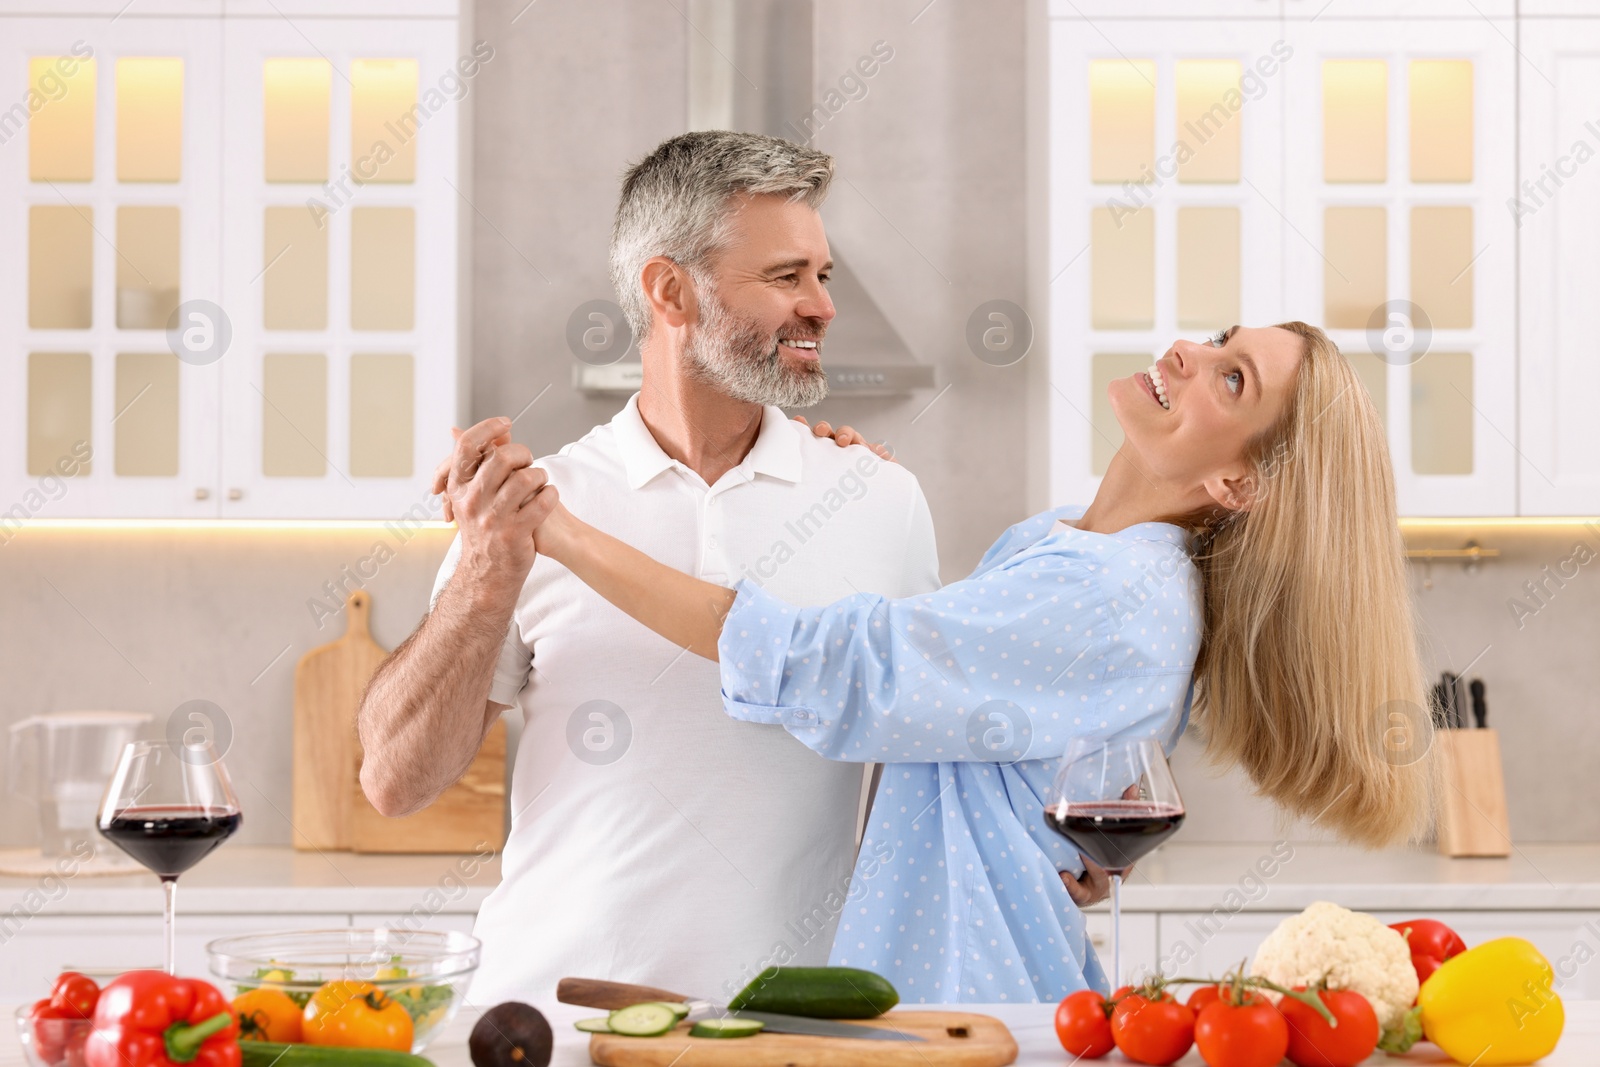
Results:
598 993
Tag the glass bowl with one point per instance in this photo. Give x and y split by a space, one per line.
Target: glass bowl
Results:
52 1042
426 971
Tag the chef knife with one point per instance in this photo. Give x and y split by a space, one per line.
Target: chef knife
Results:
1480 707
594 993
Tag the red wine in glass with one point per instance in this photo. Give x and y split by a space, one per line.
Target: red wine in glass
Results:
170 839
1115 834
1116 801
169 806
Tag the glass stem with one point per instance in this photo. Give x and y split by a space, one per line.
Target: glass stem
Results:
1116 932
169 888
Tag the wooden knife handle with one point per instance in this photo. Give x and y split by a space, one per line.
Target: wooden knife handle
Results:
594 993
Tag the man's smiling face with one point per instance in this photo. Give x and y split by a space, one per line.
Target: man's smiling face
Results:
760 323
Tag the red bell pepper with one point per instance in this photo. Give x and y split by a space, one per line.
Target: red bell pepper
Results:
150 1019
1431 943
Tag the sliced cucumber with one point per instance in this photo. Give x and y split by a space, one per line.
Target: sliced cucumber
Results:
726 1028
601 1025
649 1019
818 993
681 1009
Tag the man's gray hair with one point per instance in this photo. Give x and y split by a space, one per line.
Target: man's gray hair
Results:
675 202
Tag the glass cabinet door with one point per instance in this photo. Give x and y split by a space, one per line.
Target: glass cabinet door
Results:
1400 155
1165 188
340 270
111 189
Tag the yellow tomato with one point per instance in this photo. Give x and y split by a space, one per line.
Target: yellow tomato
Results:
268 1015
356 1015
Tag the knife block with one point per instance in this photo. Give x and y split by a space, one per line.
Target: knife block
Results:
1472 809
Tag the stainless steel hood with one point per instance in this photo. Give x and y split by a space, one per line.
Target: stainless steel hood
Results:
751 67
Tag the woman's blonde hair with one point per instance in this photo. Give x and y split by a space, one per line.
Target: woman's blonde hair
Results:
1308 676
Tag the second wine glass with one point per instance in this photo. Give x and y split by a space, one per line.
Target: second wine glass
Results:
1115 801
169 806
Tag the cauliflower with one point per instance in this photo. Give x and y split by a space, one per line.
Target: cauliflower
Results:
1352 949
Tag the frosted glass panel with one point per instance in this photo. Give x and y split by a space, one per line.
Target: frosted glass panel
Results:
1355 120
58 409
1441 120
1206 121
1122 120
1208 267
1106 432
382 413
1441 271
1355 278
1374 374
147 267
383 120
1441 413
294 289
294 415
60 267
1122 286
382 268
149 119
296 94
146 420
61 132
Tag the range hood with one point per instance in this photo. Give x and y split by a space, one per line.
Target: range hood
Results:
751 67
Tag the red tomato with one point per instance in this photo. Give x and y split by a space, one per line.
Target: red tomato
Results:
75 995
1206 994
1082 1025
1251 1034
1156 1032
1313 1043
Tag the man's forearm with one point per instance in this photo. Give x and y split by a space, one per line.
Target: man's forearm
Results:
423 718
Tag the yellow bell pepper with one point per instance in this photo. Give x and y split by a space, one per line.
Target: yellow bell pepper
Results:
1493 1005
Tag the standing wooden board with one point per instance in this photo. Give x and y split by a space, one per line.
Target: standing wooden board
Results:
953 1039
328 682
467 817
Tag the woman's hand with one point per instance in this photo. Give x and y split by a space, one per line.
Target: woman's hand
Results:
845 436
1092 888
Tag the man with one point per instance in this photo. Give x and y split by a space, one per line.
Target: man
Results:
654 839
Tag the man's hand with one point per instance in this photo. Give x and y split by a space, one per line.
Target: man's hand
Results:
1093 887
845 436
496 497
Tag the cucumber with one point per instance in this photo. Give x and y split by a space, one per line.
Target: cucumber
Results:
601 1025
273 1054
679 1008
726 1028
649 1019
818 992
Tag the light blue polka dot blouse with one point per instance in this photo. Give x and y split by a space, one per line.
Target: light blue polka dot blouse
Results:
970 696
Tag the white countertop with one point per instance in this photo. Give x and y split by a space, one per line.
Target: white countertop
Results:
1030 1024
1178 877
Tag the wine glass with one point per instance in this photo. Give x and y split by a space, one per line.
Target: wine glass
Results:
1115 801
168 806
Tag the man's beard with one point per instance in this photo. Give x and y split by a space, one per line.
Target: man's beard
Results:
743 361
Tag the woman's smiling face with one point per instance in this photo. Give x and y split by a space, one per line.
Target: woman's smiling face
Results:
1188 419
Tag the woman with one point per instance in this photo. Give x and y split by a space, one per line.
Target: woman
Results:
1243 539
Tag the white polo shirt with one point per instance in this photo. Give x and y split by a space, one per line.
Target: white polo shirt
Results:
653 838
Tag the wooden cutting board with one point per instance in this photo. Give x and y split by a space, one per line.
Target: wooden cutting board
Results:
330 811
953 1039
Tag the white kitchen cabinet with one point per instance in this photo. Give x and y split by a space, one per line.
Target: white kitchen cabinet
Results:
1165 182
1139 942
297 178
1400 158
47 944
1211 943
1418 105
1557 211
